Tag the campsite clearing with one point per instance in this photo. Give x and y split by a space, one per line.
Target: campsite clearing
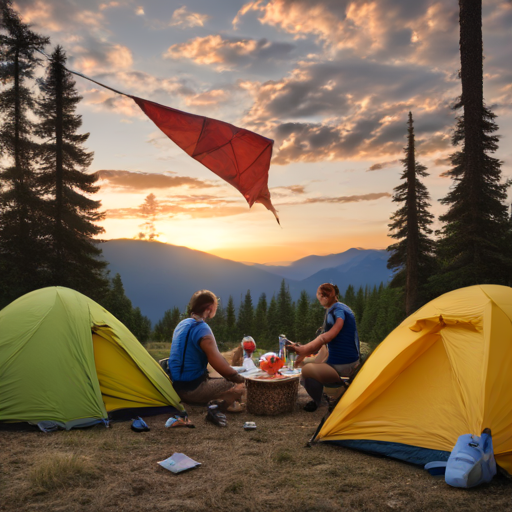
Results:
268 469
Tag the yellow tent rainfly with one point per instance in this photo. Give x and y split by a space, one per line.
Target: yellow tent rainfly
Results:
65 359
445 371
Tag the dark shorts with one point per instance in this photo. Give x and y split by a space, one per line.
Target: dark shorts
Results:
209 389
346 370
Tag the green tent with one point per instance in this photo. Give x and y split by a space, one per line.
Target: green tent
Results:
65 359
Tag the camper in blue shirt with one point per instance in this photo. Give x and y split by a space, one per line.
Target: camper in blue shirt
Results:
193 347
338 347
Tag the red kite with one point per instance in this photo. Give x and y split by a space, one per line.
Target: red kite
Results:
238 156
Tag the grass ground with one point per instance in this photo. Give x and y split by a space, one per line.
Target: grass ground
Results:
269 469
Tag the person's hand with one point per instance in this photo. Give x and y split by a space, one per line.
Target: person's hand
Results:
292 347
236 378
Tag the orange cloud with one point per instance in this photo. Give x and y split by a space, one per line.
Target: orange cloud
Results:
130 181
340 199
213 97
183 18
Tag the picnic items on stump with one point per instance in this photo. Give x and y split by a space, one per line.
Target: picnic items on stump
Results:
249 346
271 395
178 462
270 363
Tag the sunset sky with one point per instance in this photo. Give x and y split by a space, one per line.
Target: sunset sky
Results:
330 81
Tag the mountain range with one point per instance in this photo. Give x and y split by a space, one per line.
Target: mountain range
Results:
158 276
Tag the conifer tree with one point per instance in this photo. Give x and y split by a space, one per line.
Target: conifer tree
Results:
141 326
315 318
412 256
302 334
21 205
117 303
273 325
218 325
231 334
73 254
359 305
164 328
350 297
285 311
260 321
245 323
473 247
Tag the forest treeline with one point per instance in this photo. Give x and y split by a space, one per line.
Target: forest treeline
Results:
49 221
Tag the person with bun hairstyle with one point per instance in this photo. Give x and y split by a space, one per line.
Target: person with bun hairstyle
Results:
337 346
193 347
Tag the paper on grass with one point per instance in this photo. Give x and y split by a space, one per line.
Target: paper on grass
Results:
178 462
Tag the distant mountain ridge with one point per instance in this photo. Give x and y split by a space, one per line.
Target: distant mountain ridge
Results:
159 276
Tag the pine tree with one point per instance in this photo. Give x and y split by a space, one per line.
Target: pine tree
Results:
315 318
245 323
117 303
285 311
350 296
218 326
359 305
141 326
412 256
473 247
21 204
164 328
231 334
369 317
73 254
149 209
302 333
273 325
260 321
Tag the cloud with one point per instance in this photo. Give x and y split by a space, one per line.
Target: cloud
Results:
443 162
185 19
180 207
362 107
59 15
213 97
229 52
139 11
387 30
129 181
292 190
341 199
382 165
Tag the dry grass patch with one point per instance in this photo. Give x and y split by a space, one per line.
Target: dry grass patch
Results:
52 471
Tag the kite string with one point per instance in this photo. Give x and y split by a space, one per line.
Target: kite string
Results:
86 77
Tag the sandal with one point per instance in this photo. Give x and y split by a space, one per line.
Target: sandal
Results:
213 415
310 406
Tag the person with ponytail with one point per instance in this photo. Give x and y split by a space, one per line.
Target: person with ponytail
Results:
337 347
193 347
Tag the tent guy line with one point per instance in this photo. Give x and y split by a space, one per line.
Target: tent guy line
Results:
238 156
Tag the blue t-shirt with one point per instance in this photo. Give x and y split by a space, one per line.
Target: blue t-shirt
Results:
195 358
344 348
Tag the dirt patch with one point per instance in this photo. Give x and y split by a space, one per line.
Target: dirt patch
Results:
269 469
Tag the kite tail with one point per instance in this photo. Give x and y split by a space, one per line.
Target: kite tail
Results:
265 201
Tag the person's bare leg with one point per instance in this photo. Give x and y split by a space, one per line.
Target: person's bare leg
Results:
314 376
321 372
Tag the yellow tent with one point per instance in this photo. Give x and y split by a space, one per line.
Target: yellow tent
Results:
443 372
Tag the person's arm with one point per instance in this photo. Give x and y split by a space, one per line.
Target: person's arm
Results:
209 347
314 346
